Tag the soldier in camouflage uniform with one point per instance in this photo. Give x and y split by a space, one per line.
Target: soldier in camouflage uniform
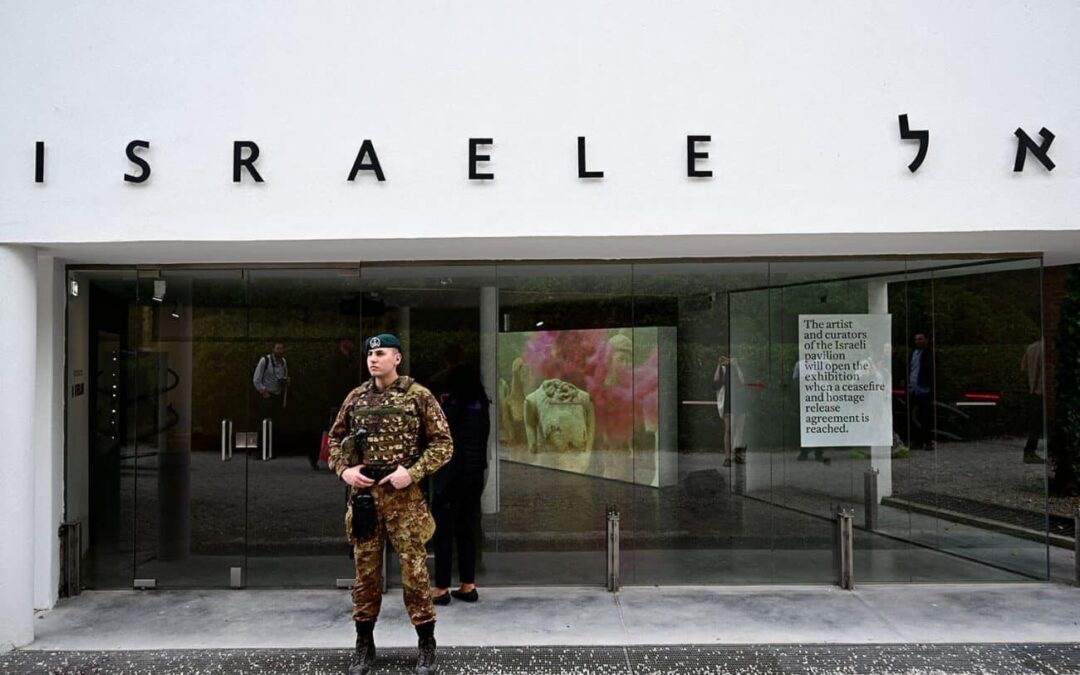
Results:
407 439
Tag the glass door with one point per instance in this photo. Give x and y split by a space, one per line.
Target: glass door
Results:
195 430
101 408
295 526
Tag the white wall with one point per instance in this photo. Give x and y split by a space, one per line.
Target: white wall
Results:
18 318
48 430
801 100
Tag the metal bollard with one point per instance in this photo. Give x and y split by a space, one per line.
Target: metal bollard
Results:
267 439
870 498
843 551
612 548
226 440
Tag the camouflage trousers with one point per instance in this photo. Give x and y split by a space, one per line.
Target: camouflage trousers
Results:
404 519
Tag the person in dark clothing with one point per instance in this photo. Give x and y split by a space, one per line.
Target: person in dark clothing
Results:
920 389
458 485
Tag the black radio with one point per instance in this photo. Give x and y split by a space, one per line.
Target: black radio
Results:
364 519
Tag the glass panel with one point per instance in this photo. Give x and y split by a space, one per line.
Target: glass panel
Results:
700 367
101 412
679 392
445 317
565 346
832 372
980 484
295 526
193 375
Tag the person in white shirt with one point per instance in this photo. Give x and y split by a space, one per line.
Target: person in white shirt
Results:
271 380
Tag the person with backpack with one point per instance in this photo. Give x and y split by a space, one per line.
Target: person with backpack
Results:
271 380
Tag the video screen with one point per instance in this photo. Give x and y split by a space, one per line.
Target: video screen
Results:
584 401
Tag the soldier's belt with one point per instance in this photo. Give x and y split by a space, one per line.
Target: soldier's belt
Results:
377 473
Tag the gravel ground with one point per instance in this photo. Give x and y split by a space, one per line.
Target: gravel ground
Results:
987 471
914 659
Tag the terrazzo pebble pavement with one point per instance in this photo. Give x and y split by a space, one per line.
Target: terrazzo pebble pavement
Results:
912 659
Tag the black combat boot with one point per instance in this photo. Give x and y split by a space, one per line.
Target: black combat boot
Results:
425 662
364 656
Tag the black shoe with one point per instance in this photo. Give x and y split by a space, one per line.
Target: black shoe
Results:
425 660
471 596
1032 458
443 599
363 658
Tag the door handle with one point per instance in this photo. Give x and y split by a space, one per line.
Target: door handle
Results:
226 439
267 439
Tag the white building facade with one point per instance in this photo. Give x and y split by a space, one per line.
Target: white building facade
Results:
671 186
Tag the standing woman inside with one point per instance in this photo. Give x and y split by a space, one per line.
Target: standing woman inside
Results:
459 484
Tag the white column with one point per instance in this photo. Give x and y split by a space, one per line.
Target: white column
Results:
18 339
877 293
48 429
489 373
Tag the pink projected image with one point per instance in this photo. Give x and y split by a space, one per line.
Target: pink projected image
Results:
581 400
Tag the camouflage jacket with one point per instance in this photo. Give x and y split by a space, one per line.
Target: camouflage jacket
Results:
405 426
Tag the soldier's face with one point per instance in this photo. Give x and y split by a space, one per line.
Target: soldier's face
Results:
383 361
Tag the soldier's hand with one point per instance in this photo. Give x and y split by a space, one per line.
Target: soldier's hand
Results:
400 479
353 477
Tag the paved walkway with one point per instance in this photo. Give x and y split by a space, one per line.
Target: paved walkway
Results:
800 630
319 619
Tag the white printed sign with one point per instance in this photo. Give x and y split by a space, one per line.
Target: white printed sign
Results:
845 379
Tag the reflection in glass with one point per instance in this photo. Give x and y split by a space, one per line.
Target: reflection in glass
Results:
677 392
102 413
977 487
295 530
693 525
568 415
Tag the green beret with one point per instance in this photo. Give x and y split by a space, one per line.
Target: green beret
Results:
382 340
